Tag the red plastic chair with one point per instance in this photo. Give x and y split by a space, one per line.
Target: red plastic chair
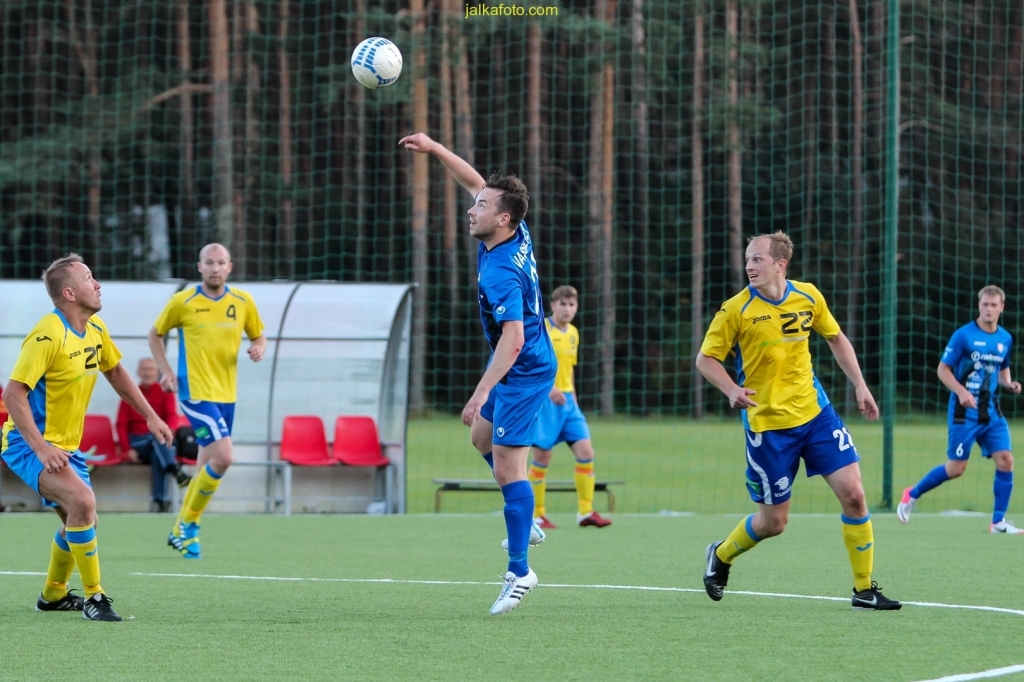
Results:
304 442
357 444
99 434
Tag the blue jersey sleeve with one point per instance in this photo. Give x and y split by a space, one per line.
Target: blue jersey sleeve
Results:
954 350
504 289
1006 358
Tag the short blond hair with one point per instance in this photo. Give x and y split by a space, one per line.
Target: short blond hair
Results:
564 292
992 290
781 246
58 275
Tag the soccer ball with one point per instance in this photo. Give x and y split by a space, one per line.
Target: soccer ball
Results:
376 63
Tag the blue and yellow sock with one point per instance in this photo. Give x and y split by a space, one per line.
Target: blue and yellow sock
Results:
1002 488
62 563
518 521
82 544
538 476
206 483
584 477
741 539
859 538
933 479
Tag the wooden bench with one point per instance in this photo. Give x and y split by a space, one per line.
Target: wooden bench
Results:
489 484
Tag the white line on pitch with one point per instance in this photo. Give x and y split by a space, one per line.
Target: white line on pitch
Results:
641 588
994 672
21 573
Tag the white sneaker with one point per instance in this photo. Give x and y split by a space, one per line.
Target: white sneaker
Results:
513 591
905 506
537 536
1005 526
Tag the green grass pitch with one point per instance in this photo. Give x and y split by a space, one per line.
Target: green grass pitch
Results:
215 628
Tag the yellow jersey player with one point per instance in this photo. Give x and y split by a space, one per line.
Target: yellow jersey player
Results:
786 414
561 420
210 319
47 396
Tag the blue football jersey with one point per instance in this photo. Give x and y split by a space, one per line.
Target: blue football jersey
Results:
976 358
508 289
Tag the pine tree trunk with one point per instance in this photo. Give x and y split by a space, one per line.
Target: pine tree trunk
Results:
735 172
188 252
697 189
534 47
857 189
285 256
639 248
450 208
222 154
420 207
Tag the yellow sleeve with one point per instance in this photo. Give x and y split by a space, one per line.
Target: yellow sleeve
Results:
38 351
824 323
170 318
253 323
111 354
576 348
723 333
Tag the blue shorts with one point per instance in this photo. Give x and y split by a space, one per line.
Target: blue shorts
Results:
773 457
992 437
23 462
560 423
513 411
210 421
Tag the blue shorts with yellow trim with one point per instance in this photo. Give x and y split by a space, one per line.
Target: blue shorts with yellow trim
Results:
24 463
513 411
210 421
991 437
773 457
560 423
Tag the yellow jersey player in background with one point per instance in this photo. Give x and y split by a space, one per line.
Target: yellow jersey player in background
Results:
210 319
47 396
561 420
786 414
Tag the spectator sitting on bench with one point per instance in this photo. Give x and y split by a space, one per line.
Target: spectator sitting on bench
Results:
141 445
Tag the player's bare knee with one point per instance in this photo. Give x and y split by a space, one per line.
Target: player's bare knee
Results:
82 508
772 523
955 468
541 457
1003 460
855 504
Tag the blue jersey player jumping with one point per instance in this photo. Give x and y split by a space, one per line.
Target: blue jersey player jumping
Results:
974 365
502 412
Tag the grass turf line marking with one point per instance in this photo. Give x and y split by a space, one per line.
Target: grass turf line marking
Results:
994 672
640 588
21 573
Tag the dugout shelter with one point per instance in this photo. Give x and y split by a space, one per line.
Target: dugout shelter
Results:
333 349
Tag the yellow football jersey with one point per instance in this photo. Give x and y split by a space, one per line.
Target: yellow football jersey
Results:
567 346
770 342
60 367
209 336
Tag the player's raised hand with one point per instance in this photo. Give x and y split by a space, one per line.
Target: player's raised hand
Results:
160 429
866 403
967 398
417 142
738 398
472 408
53 458
557 397
169 383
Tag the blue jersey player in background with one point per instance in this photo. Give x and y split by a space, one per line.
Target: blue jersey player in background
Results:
974 365
502 412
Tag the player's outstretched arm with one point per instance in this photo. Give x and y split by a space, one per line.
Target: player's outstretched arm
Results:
714 371
948 380
1007 382
463 173
16 398
505 353
125 386
843 351
168 380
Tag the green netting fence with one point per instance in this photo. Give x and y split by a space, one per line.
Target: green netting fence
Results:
655 136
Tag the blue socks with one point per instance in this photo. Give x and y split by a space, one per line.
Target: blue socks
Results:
932 479
1001 488
489 458
518 521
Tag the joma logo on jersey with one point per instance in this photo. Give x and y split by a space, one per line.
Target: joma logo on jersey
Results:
760 318
74 355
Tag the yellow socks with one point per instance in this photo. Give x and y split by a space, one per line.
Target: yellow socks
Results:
859 538
538 479
202 488
82 543
584 477
741 539
62 563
